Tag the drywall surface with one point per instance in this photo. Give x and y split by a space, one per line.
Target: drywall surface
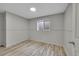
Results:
77 30
77 21
68 30
1 29
54 36
16 29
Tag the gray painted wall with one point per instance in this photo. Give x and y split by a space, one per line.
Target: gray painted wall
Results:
69 17
77 30
67 28
54 36
16 29
1 28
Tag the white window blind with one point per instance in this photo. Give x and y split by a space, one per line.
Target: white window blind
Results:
43 25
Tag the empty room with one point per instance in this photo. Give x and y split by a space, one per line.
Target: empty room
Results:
39 29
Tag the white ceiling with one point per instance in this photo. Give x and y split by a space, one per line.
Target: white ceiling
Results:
42 9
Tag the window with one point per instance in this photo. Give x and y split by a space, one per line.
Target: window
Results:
43 25
40 25
46 26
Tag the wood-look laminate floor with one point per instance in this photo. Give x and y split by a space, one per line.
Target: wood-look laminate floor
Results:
32 48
